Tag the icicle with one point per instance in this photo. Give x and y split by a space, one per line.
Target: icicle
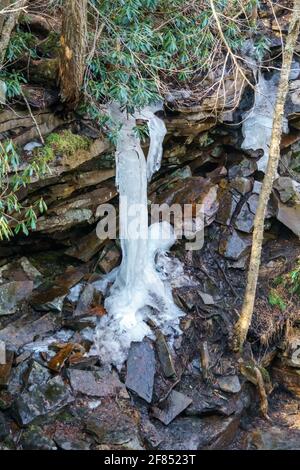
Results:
257 125
157 132
138 293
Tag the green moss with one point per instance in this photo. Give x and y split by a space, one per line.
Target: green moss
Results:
67 143
63 143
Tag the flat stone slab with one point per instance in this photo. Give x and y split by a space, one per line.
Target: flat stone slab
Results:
95 383
230 384
41 400
12 293
113 424
141 370
211 432
21 332
174 404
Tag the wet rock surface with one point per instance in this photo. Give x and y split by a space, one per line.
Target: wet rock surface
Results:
171 407
40 400
141 370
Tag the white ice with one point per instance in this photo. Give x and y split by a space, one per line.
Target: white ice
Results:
139 292
257 124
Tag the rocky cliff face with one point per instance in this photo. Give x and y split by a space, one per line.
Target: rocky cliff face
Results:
193 396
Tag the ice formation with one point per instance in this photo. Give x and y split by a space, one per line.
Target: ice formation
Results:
257 125
139 292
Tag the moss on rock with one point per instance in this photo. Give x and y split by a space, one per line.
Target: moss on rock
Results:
62 144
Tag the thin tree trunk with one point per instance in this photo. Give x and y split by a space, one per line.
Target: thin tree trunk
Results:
73 51
7 23
243 324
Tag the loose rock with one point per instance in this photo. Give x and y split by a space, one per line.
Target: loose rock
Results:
171 407
40 400
230 384
97 383
141 370
12 293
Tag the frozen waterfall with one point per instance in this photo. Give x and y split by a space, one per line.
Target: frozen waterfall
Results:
139 291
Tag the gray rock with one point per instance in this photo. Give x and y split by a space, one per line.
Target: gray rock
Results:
175 95
212 432
54 305
257 187
228 204
141 370
230 384
40 400
150 435
99 383
245 219
32 273
109 259
23 267
17 380
22 332
288 203
253 203
34 438
74 293
205 401
287 188
241 184
239 264
234 245
274 438
109 424
85 301
242 170
165 355
174 404
38 375
4 429
290 217
207 299
295 70
66 443
12 293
